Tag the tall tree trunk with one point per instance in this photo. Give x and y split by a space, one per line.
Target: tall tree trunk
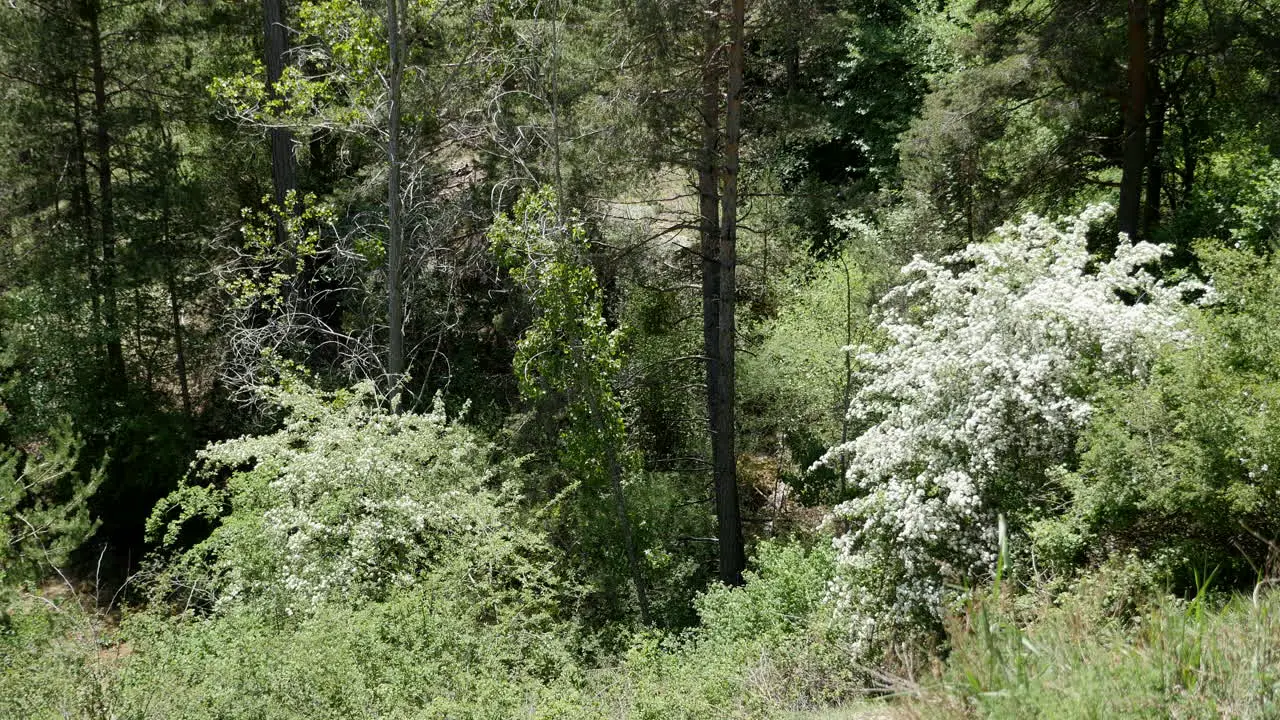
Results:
284 169
175 303
709 210
1135 119
1156 120
732 555
116 375
84 208
179 344
1188 162
395 238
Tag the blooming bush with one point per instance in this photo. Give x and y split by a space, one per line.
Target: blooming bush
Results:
984 383
349 502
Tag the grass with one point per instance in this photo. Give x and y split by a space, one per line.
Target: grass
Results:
1200 658
1090 653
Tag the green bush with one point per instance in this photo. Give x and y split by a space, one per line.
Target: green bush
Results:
761 650
420 654
794 381
1184 468
347 503
44 514
56 659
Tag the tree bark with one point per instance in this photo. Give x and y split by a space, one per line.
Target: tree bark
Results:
1134 122
1188 163
84 207
1155 120
732 554
175 303
284 168
116 373
709 211
395 239
179 345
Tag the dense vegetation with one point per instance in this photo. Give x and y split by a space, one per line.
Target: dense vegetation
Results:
462 359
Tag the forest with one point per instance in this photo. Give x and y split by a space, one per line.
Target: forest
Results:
662 359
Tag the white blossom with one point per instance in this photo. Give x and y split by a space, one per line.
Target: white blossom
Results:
983 385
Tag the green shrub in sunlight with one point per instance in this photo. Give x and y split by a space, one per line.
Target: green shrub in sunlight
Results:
349 502
433 651
794 381
783 595
762 650
49 667
44 512
1183 468
1236 201
1068 659
423 653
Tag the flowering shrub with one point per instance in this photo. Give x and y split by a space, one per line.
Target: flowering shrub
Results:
348 502
980 392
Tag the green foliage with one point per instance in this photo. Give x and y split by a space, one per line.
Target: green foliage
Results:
569 352
44 511
838 82
1184 468
1237 201
793 382
762 650
783 595
432 652
357 560
1188 659
348 55
568 348
347 503
52 665
1025 109
270 268
423 653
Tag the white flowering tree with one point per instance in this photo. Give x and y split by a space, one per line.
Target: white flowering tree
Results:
350 502
977 395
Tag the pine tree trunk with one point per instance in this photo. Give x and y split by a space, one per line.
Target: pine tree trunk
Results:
1156 120
709 210
179 344
283 162
732 554
395 238
84 208
175 309
1135 119
116 374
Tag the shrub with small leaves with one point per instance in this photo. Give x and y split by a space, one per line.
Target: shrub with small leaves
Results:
348 502
993 358
1182 467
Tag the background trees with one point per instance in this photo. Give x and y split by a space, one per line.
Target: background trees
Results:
646 256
